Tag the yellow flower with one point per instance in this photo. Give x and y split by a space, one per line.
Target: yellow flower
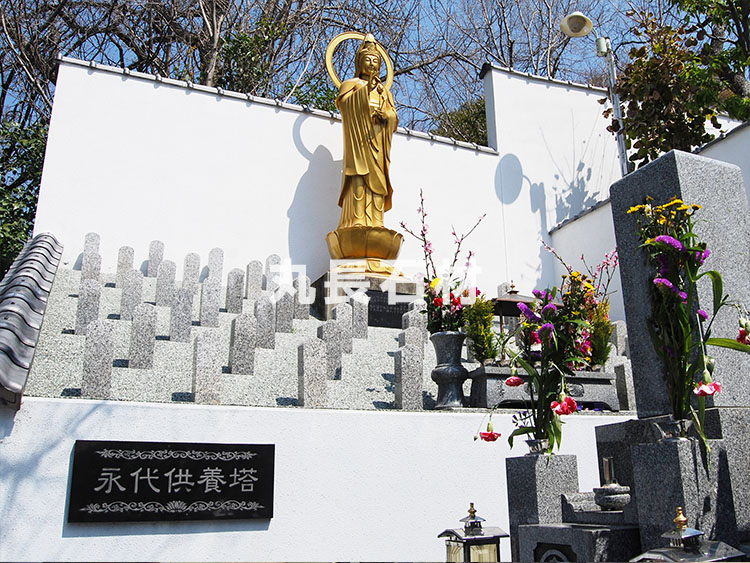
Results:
636 208
696 207
435 283
674 201
662 220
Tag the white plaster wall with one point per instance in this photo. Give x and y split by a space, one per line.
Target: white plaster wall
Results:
137 160
556 159
735 149
349 485
591 235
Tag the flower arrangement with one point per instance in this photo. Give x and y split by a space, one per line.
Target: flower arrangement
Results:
589 293
679 330
478 318
445 296
553 342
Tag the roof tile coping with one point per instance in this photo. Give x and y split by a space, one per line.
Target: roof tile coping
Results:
217 91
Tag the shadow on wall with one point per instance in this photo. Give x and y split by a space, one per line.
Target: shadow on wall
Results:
575 193
314 211
509 182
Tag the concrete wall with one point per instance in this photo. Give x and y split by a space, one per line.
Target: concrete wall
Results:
592 235
733 148
138 159
349 486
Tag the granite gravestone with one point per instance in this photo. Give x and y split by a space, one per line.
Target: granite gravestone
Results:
155 256
98 355
235 290
254 279
207 363
718 187
191 271
408 371
88 305
312 374
125 258
132 290
142 337
165 286
181 315
243 340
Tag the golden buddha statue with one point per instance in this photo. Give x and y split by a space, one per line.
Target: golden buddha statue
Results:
369 121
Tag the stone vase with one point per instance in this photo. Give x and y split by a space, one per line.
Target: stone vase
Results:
449 374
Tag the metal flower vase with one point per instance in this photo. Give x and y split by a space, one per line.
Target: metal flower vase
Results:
449 374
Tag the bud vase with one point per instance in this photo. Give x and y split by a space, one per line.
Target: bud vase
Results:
449 374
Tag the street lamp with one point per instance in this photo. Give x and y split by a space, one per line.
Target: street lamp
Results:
578 25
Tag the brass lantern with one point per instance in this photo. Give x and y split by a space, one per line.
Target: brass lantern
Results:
472 542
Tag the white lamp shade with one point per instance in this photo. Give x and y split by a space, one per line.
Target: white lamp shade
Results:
576 25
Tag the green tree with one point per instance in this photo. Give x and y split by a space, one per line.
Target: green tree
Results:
21 159
676 82
467 123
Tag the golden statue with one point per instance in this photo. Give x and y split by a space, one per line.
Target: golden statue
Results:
369 120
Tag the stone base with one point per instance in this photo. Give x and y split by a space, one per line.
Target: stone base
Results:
375 286
535 485
590 389
571 542
664 475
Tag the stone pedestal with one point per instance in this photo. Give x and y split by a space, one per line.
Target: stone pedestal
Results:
565 542
335 284
535 484
589 388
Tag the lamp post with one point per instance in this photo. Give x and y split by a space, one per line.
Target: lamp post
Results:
578 25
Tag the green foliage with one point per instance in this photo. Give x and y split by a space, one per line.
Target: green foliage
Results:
317 93
668 95
683 77
467 123
246 64
601 331
21 163
478 324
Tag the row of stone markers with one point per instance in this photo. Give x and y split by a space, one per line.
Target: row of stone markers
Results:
273 308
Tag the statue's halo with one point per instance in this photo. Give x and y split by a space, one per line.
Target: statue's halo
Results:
360 36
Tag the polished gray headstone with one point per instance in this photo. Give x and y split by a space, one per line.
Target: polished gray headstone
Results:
723 224
534 484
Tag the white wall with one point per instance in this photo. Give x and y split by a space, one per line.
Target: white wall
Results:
735 149
349 485
556 159
137 159
592 235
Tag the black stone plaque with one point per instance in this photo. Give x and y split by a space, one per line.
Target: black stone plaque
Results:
382 313
147 481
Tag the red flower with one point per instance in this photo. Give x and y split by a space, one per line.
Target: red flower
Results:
514 381
438 301
489 436
707 389
535 337
567 406
743 337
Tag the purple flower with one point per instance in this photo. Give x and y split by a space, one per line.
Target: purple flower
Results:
682 296
549 310
702 314
540 294
663 264
670 241
546 330
664 283
528 313
700 257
